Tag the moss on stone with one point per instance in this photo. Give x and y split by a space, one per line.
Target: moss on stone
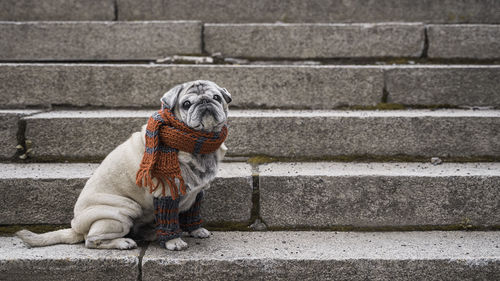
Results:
261 159
389 106
227 226
398 61
435 106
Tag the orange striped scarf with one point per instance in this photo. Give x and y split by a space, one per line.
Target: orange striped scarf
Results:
165 136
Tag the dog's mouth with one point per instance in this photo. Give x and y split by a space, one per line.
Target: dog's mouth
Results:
207 117
208 126
205 109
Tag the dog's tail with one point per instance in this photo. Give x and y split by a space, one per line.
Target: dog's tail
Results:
63 236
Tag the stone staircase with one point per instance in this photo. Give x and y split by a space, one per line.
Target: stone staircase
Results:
338 108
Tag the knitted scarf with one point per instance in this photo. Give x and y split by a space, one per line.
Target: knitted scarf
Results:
165 136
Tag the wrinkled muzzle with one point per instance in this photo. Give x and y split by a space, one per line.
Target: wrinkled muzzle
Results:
207 116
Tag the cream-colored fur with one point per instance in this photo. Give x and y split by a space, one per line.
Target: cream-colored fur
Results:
111 203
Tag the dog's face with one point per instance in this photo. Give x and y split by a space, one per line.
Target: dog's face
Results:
201 104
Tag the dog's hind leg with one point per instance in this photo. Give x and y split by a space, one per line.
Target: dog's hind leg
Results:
109 234
143 231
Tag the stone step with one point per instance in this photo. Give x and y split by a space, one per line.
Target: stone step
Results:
309 41
65 262
324 195
300 87
46 193
367 40
332 256
152 40
42 41
36 10
10 131
451 85
378 195
414 134
464 41
224 11
270 256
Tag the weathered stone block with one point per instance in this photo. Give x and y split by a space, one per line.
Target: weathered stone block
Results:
143 85
223 11
9 128
330 256
379 195
39 41
329 134
65 262
47 193
229 198
308 41
474 41
52 10
444 85
286 133
41 193
88 135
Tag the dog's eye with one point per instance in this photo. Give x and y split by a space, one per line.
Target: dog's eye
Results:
217 98
186 104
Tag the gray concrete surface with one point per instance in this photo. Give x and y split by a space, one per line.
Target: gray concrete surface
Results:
41 193
270 255
88 135
474 41
65 262
444 11
285 133
50 191
46 193
306 41
38 41
320 134
46 10
379 194
454 85
144 85
229 198
9 127
300 87
330 256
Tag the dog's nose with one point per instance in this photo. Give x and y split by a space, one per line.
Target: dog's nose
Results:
204 101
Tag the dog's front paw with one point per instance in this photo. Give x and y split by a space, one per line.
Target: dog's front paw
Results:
200 233
176 244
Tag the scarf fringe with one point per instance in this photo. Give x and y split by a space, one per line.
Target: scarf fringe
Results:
145 179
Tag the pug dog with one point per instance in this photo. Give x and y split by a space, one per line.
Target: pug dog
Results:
111 205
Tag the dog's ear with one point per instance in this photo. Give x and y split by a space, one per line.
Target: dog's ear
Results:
225 94
170 97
